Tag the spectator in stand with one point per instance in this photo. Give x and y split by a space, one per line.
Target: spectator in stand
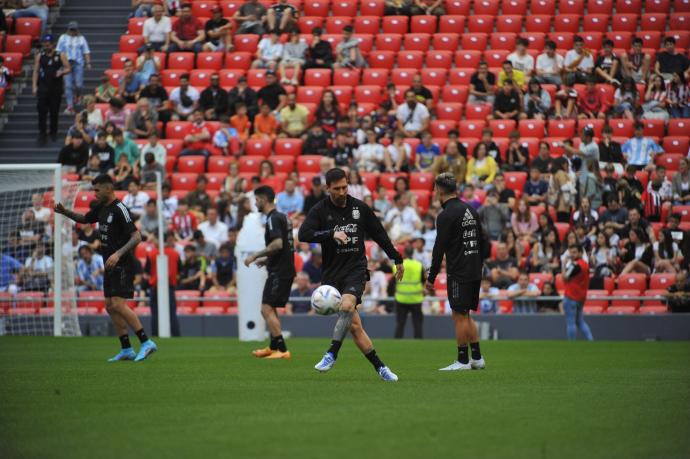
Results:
423 93
509 73
198 140
320 52
667 253
678 295
265 124
503 270
148 64
397 155
273 93
588 148
90 270
493 216
402 221
198 199
506 196
681 183
468 196
488 295
637 255
150 170
626 100
549 65
328 113
294 118
481 169
603 256
130 84
316 142
342 151
157 30
135 200
218 36
187 32
520 59
214 230
94 116
37 271
507 104
591 183
635 221
157 97
669 61
41 213
426 154
516 155
543 160
313 267
293 57
452 161
226 138
654 106
562 190
607 68
241 122
610 151
155 148
184 99
636 63
80 128
659 195
640 151
565 106
92 169
579 61
316 195
397 8
105 91
33 9
251 17
290 201
143 8
369 156
356 188
591 104
222 271
192 271
148 223
242 93
123 173
76 49
141 123
678 96
427 7
521 289
537 101
545 254
615 216
492 148
184 223
348 54
75 154
213 100
268 52
523 221
301 290
282 17
535 188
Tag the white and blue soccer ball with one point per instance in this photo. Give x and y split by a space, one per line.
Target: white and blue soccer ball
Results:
326 300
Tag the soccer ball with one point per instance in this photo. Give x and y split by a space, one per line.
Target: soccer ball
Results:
325 300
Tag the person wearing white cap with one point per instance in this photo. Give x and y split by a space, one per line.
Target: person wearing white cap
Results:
75 47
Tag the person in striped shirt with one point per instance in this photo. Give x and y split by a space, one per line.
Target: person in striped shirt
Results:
640 150
76 49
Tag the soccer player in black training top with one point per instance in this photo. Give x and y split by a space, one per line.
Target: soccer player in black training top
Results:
339 224
118 237
461 238
278 257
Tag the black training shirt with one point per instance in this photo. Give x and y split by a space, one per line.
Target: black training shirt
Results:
278 226
115 227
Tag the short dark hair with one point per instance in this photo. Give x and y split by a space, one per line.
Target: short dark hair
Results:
577 247
184 76
446 182
265 191
674 216
506 62
639 125
522 41
637 41
151 201
579 39
201 178
670 39
608 42
334 175
550 44
103 179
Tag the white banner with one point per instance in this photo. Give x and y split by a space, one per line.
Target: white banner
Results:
250 280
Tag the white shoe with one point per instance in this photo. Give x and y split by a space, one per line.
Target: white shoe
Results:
326 363
478 364
284 81
456 366
387 375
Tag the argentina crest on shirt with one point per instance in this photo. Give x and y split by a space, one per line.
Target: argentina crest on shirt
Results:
110 218
355 213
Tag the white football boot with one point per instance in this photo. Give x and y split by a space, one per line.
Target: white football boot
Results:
478 364
326 363
456 366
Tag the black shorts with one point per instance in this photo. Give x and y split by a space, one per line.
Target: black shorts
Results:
351 284
119 281
276 291
463 296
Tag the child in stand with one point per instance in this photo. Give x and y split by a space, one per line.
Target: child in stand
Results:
265 124
240 122
226 139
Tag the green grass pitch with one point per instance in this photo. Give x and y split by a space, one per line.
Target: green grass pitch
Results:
203 397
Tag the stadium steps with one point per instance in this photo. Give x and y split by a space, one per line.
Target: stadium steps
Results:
102 26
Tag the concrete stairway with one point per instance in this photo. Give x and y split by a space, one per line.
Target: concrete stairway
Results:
102 23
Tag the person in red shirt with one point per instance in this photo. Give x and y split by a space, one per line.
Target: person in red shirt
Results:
591 104
198 141
183 222
173 268
187 33
576 277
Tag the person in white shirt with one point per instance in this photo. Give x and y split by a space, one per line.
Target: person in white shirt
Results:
520 59
37 270
169 202
413 116
155 147
269 52
41 213
579 61
185 98
369 156
157 31
135 199
214 230
402 221
549 65
397 155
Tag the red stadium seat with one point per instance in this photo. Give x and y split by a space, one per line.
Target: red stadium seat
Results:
684 212
239 60
308 163
658 6
566 23
654 128
181 181
28 26
536 40
670 161
593 40
543 7
309 94
203 9
502 128
250 163
468 59
661 281
650 38
388 42
538 23
596 125
682 38
316 8
445 41
366 24
622 40
117 60
403 77
622 128
460 76
416 41
344 8
601 7
256 77
595 22
173 147
177 129
368 93
624 305
624 22
219 164
509 24
410 59
230 77
346 77
571 7
308 23
200 78
423 24
181 61
18 44
477 111
539 279
451 24
632 282
135 26
317 77
653 21
196 164
372 8
455 93
676 145
246 43
503 41
336 24
679 21
382 59
421 181
131 43
471 128
449 111
258 147
532 128
211 61
562 128
495 57
487 7
395 24
480 24
515 180
473 41
188 299
440 128
343 94
282 163
289 147
434 76
678 126
375 77
171 77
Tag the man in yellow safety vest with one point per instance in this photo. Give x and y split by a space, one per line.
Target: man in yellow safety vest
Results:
409 295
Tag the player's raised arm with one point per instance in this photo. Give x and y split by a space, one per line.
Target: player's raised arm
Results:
310 230
60 209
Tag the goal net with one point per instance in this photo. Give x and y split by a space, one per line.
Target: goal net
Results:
37 270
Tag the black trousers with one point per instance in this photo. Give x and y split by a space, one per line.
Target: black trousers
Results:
401 311
174 323
48 103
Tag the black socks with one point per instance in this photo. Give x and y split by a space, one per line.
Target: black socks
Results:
374 359
124 342
335 348
141 334
278 343
476 354
463 357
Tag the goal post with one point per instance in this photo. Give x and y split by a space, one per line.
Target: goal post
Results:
37 288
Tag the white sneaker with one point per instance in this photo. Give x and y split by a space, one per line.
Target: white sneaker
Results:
326 363
456 366
478 364
387 375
